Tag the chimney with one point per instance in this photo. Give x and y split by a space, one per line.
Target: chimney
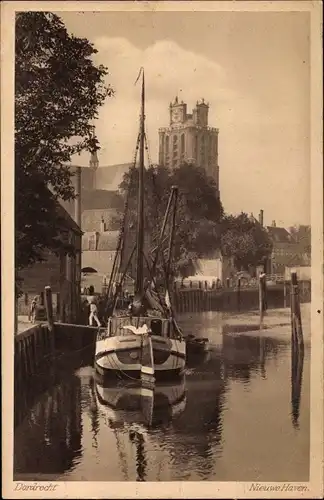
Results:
102 225
261 218
77 201
273 223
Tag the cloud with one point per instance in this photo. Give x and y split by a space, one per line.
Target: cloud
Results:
169 71
258 145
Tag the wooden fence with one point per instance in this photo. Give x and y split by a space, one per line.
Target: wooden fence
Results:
235 299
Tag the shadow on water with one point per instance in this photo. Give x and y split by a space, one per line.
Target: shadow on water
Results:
297 365
182 420
51 375
54 424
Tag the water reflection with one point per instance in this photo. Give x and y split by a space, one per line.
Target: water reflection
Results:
54 423
245 356
191 429
131 410
297 364
132 403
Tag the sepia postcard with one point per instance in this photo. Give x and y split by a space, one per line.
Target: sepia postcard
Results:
162 249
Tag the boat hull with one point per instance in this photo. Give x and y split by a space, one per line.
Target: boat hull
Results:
121 356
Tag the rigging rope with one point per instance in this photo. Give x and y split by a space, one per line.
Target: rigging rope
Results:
120 244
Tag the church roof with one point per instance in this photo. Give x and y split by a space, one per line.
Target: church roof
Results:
110 177
100 199
108 240
91 219
96 241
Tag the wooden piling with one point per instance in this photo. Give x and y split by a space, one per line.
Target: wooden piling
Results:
49 307
296 323
262 294
285 294
238 294
57 312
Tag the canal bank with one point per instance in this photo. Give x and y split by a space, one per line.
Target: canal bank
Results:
252 423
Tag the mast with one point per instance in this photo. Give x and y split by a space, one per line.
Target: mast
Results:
140 207
175 192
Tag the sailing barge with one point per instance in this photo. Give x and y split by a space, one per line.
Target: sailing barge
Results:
143 342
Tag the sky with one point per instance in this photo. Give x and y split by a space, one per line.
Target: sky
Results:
254 70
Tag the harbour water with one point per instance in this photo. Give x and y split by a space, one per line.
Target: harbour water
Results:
241 413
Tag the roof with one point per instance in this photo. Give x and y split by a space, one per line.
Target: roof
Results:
108 240
91 219
110 177
68 221
107 177
92 199
95 241
63 210
279 234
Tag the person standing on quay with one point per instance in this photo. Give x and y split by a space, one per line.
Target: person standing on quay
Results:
93 313
32 310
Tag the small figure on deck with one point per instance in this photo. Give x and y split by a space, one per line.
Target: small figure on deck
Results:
93 313
85 311
32 310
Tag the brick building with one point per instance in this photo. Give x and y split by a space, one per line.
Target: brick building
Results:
61 272
99 193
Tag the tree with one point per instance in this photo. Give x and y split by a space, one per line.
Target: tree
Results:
302 236
246 240
198 214
58 90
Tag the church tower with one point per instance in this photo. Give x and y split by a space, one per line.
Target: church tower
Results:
189 139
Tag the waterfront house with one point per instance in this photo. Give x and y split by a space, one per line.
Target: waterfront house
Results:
61 272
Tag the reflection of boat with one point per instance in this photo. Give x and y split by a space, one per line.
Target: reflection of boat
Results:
196 345
145 340
135 404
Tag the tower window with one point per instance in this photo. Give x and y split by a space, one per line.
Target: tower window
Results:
182 143
162 142
196 146
167 144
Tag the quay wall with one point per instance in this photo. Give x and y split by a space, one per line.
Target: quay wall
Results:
40 352
235 299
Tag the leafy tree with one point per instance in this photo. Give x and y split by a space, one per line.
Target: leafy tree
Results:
246 240
198 213
58 90
302 236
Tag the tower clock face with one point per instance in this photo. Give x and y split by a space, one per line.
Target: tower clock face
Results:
176 115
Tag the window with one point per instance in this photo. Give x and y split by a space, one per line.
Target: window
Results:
167 144
162 142
182 143
92 242
196 146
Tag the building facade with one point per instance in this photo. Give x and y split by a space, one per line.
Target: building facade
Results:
189 139
287 252
61 272
100 197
